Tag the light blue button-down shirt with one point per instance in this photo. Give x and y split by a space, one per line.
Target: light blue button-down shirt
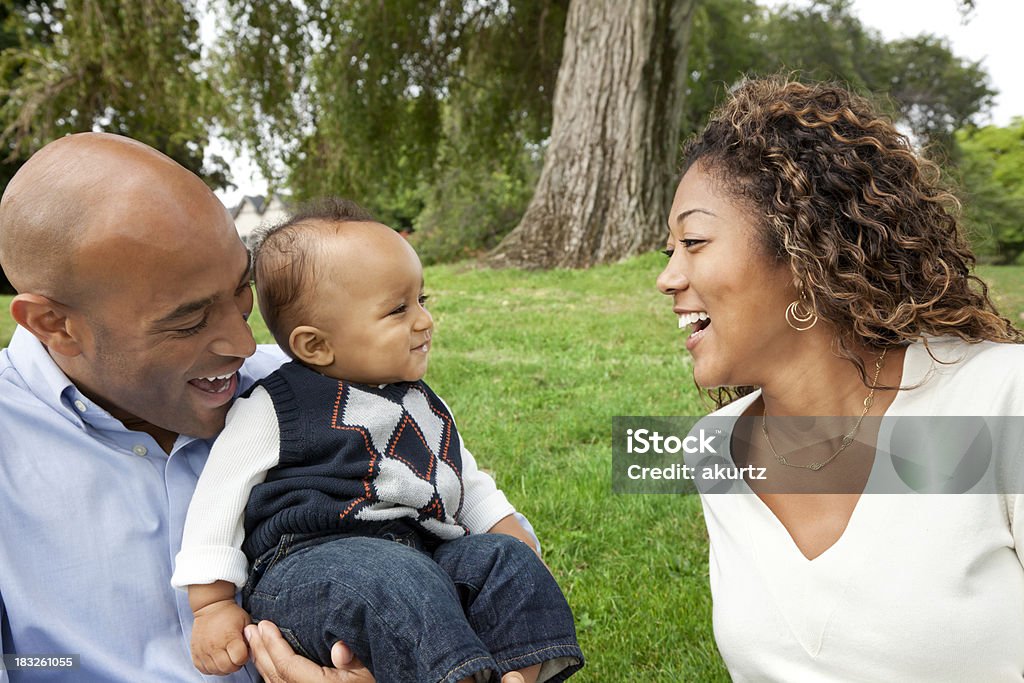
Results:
91 516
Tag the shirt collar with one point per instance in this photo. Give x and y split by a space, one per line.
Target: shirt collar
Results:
33 362
49 383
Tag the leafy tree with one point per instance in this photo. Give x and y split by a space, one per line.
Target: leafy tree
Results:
495 124
823 41
992 174
723 46
935 91
372 99
928 87
124 67
438 114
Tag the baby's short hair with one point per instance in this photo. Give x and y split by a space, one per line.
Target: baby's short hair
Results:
287 260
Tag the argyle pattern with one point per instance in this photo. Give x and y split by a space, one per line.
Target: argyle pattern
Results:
355 458
411 472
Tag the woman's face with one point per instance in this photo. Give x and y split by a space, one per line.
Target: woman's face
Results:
730 296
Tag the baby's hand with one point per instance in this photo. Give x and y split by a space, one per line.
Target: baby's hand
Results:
218 646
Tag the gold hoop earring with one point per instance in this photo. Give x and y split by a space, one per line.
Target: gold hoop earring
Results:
800 316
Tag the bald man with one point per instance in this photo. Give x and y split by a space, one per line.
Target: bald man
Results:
132 342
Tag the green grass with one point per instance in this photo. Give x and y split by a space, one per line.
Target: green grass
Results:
534 366
1006 287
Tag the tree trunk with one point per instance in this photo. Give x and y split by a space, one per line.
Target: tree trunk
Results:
609 169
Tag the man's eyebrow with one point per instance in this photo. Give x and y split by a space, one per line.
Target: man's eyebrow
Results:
192 307
184 310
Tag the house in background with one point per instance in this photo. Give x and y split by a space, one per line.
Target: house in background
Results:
256 211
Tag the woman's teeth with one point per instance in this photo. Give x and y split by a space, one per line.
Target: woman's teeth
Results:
692 318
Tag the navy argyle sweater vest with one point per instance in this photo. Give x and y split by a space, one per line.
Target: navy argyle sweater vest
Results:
355 458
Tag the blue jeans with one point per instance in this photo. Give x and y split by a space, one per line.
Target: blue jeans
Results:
482 604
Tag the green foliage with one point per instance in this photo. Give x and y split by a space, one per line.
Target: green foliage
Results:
723 46
434 113
991 167
473 202
369 99
824 40
124 67
927 87
936 92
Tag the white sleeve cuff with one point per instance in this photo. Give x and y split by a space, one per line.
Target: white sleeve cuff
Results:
206 564
479 516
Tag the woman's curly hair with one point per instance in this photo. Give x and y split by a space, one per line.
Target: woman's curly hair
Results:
863 222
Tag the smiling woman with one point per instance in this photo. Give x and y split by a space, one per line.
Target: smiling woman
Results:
723 276
822 272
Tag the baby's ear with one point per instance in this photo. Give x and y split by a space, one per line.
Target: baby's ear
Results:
310 345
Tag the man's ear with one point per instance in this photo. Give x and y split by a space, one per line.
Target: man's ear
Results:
310 345
49 321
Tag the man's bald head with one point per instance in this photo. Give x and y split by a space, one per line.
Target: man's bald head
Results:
80 190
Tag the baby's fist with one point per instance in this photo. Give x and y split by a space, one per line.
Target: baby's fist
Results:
218 645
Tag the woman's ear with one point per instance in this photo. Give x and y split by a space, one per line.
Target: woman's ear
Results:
49 321
310 345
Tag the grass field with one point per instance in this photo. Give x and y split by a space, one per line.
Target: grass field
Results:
534 365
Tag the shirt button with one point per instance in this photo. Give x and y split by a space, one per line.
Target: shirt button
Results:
139 450
80 406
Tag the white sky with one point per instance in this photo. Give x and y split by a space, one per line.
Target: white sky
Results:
992 34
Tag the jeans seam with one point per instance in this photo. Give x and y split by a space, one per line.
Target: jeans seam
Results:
458 669
282 551
282 548
294 641
509 662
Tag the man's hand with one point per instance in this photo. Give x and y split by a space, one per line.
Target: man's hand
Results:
218 645
278 663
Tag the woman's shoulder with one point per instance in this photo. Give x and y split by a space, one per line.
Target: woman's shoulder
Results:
981 376
985 357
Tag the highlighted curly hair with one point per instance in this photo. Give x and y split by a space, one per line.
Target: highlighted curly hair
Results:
863 222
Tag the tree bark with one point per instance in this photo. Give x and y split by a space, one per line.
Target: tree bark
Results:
610 166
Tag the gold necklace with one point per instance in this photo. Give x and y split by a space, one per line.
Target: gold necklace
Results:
847 440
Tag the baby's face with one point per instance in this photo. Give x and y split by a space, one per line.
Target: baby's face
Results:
370 308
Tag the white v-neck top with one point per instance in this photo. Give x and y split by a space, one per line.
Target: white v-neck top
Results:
920 587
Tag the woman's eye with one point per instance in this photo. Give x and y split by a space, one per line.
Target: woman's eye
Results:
668 252
689 244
